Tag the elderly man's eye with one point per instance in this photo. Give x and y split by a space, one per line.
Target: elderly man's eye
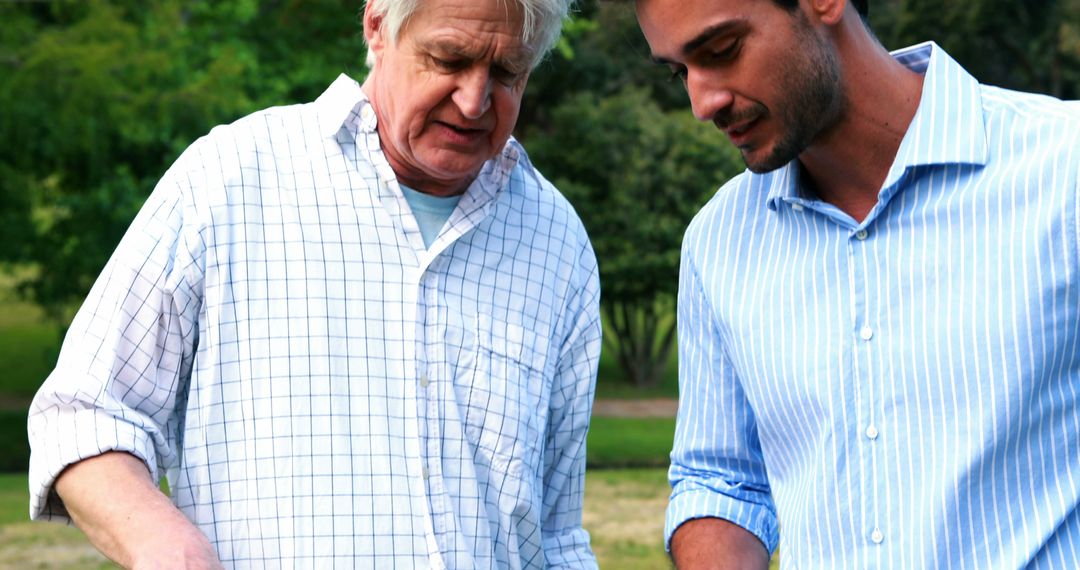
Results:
506 76
449 64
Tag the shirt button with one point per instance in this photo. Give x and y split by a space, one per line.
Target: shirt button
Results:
797 207
861 235
424 473
366 113
424 381
871 431
877 536
866 333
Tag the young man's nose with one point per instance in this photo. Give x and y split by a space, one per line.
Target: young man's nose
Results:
707 95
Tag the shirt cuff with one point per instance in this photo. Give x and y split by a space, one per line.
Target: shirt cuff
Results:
758 519
569 550
61 438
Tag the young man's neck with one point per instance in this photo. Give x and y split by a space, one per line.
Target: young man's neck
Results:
847 165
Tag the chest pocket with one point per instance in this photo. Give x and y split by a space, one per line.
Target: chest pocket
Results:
500 386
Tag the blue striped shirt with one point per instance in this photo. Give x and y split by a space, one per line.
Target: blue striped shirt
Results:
901 392
321 389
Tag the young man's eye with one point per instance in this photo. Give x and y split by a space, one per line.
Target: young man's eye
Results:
678 74
727 53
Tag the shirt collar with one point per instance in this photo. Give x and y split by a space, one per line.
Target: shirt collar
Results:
947 128
341 105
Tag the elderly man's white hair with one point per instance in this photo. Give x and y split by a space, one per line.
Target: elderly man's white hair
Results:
541 26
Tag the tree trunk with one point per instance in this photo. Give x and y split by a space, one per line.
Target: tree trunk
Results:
642 337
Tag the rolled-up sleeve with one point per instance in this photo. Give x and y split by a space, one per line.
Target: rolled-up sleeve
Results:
717 467
127 356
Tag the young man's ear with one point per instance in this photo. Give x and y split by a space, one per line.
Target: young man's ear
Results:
828 12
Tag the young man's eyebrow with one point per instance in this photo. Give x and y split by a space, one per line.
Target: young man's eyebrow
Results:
706 35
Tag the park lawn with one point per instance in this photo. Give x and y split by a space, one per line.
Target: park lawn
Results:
14 502
29 345
629 442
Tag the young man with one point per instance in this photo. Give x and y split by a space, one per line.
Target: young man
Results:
357 333
879 323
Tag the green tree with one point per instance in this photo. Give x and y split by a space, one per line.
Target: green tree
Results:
616 136
97 98
1030 45
636 174
603 53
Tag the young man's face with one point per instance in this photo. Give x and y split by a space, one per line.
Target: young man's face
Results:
448 92
763 74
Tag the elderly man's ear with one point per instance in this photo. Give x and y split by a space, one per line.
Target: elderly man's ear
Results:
373 30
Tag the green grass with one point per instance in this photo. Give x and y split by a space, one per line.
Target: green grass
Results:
629 442
29 343
38 545
624 514
14 446
14 498
28 348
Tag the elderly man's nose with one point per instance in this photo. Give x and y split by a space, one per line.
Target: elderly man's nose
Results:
473 93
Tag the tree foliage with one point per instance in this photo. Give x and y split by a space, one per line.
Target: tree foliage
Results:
637 175
98 98
1030 45
605 124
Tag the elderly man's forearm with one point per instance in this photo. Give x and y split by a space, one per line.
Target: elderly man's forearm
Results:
112 498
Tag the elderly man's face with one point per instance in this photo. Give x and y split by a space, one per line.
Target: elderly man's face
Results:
447 94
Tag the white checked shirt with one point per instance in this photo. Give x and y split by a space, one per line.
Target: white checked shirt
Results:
320 389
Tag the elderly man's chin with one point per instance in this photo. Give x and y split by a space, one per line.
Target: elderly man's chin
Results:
451 162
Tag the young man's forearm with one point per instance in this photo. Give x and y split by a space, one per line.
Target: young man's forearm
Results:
716 544
112 498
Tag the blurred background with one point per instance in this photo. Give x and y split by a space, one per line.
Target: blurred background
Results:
98 97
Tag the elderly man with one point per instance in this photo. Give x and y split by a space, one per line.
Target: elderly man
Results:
879 323
360 332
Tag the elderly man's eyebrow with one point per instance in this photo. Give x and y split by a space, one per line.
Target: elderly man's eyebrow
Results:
704 37
518 59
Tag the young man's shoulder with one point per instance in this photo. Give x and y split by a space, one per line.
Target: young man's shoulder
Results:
1025 112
